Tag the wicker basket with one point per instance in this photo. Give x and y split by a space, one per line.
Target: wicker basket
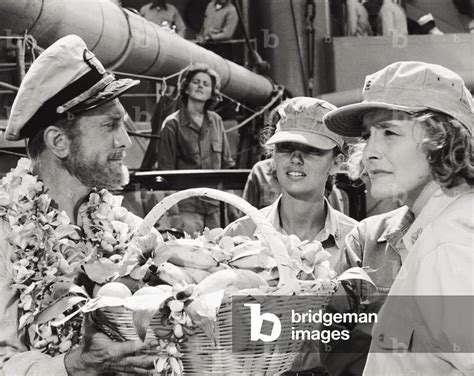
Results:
200 354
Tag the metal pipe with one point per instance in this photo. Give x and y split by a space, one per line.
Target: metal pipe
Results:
124 41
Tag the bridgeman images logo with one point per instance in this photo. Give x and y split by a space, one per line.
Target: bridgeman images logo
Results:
256 322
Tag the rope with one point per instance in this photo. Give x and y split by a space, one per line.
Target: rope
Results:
237 103
138 134
153 78
30 41
13 153
257 114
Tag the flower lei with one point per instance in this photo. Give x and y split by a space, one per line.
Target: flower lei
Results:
48 251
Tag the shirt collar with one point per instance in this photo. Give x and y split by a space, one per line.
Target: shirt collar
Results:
331 224
397 226
186 120
331 227
435 205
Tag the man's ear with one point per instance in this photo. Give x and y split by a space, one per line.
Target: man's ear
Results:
57 142
336 165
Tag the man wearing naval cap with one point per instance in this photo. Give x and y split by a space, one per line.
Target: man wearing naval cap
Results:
67 109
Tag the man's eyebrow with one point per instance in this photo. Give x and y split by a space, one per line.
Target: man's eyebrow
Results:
112 119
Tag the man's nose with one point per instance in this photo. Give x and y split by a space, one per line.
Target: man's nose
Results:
122 139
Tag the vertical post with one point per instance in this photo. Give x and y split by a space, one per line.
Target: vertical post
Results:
327 9
20 59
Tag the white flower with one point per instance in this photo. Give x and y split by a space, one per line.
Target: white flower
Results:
24 163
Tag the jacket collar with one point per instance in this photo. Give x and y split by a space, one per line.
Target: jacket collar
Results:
397 226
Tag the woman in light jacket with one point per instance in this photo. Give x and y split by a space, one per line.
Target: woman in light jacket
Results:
416 119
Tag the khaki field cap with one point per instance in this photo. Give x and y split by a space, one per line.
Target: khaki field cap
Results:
65 79
408 86
301 122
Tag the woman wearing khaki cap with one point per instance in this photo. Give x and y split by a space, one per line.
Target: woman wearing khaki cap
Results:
306 154
416 119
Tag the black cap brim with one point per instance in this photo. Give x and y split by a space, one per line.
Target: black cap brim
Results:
110 92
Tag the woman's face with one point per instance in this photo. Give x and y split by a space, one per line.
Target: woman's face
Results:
395 163
302 170
200 87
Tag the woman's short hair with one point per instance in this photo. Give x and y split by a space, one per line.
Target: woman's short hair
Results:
187 78
447 144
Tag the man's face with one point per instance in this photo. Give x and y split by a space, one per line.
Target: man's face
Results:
303 170
97 149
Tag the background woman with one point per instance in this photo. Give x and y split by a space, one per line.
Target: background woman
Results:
194 138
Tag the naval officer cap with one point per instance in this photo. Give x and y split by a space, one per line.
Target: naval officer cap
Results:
65 79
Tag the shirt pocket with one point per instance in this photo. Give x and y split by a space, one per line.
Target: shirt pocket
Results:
216 145
396 337
188 143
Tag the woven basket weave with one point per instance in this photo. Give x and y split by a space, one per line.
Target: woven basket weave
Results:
200 355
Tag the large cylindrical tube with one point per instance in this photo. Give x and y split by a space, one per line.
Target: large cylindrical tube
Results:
126 42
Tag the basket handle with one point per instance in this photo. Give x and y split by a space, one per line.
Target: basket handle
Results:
269 233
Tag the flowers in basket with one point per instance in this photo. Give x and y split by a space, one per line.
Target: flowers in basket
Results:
186 282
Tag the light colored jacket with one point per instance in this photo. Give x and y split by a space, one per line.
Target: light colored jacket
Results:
376 243
431 330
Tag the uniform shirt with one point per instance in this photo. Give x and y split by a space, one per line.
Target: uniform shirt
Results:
158 15
440 262
219 22
376 242
357 19
185 145
392 20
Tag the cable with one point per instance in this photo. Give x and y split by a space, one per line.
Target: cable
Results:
13 153
260 112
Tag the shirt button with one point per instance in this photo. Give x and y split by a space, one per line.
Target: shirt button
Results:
381 337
